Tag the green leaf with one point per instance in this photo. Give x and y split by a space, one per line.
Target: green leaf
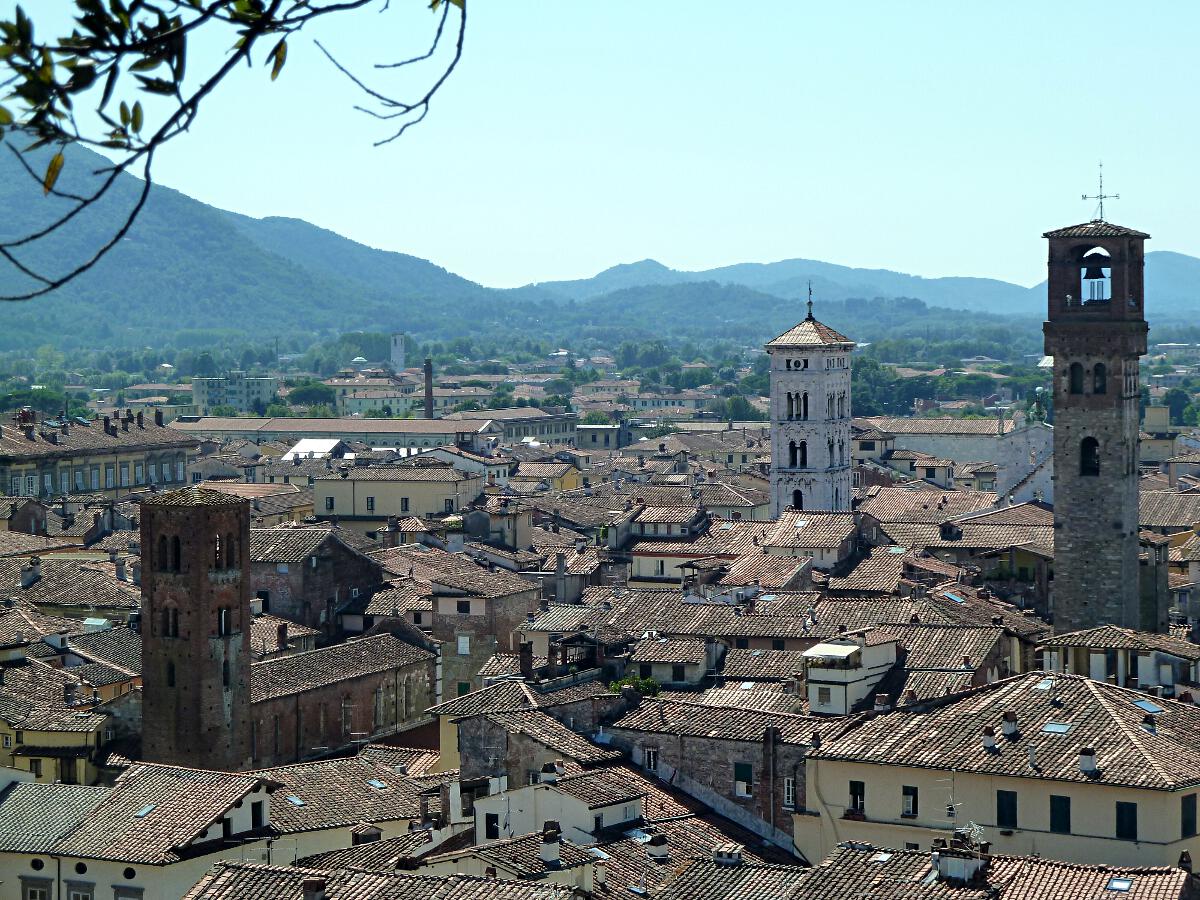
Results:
136 116
280 56
145 64
52 171
125 116
6 118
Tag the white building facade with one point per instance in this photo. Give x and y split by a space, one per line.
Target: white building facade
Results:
810 418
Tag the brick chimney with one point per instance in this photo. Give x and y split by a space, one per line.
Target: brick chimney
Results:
31 574
313 889
158 418
526 657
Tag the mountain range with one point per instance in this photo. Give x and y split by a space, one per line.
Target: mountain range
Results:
189 274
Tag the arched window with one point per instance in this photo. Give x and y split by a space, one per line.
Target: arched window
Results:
1076 379
166 621
230 552
830 451
224 622
217 552
792 455
170 674
1089 456
163 562
174 624
175 554
1096 276
804 406
225 674
791 405
1100 379
797 500
804 454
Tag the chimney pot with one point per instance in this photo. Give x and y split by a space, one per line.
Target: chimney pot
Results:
989 737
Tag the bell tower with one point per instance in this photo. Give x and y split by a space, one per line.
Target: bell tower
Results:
195 626
1096 329
810 418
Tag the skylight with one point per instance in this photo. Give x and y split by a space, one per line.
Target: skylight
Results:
955 597
294 800
377 784
598 853
1149 706
767 598
1119 884
145 810
1044 685
638 835
1056 727
897 550
802 523
881 857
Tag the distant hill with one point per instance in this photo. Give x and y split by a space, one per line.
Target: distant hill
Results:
1172 284
189 274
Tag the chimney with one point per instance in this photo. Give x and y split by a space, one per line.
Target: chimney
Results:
119 567
1009 725
966 661
910 698
141 423
549 774
69 693
1185 861
989 738
1087 761
550 852
526 657
281 638
728 854
158 418
1032 751
657 848
31 574
428 388
961 866
313 889
136 572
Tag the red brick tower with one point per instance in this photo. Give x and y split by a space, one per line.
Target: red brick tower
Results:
196 629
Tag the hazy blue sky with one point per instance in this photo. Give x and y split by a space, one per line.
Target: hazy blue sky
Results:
934 138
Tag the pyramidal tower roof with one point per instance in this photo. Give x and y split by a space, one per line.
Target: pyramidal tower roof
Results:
809 333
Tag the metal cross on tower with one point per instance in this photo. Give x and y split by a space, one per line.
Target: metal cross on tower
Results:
810 315
1101 196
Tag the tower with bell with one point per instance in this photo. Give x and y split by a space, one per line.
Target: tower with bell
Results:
1096 330
810 417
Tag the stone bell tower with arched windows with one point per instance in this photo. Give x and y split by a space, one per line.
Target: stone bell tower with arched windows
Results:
195 624
810 418
1096 330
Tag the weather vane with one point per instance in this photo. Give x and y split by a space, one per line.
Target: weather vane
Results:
810 298
1101 196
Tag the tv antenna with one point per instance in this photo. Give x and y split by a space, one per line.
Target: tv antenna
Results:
1100 196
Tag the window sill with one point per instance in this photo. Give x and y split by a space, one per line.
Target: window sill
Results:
908 815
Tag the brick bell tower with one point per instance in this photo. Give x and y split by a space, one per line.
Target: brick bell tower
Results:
1096 330
196 629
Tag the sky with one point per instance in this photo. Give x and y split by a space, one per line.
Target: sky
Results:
931 138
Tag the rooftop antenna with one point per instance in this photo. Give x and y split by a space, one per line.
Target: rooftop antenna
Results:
1099 196
810 315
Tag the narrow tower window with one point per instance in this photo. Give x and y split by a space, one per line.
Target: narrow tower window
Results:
230 552
1089 457
163 562
804 403
804 454
792 454
797 499
1100 379
175 554
1076 378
